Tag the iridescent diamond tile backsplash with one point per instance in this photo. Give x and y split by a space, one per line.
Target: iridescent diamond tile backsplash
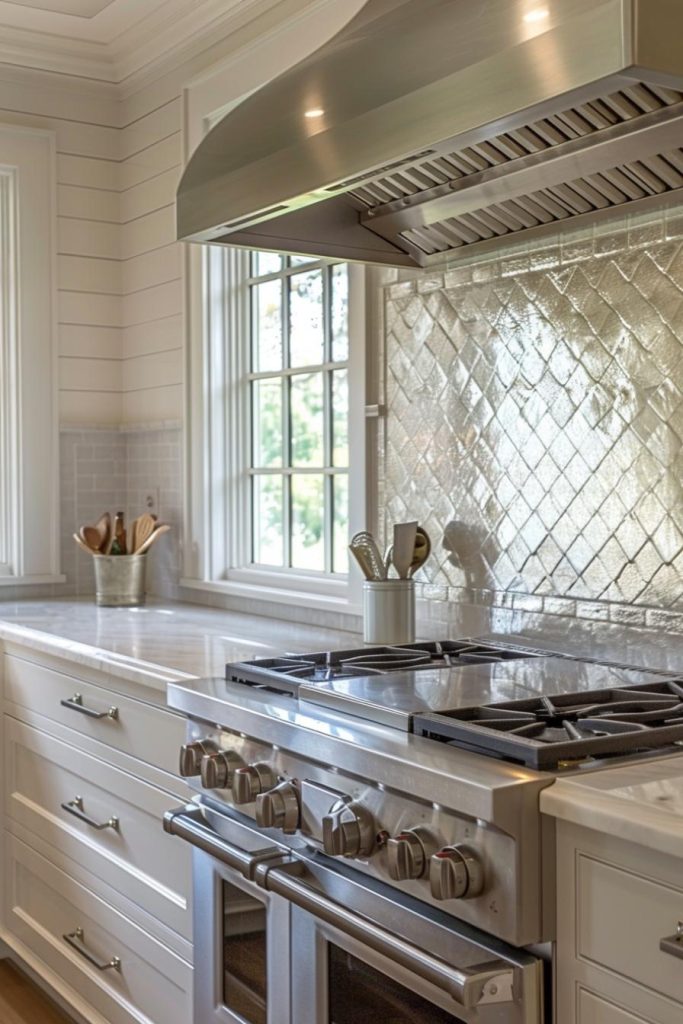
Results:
535 422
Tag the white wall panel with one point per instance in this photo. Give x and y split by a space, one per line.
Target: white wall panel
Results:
90 203
80 340
147 233
153 371
165 403
88 238
163 300
89 308
150 128
156 336
156 267
152 161
83 407
80 273
150 195
80 170
92 375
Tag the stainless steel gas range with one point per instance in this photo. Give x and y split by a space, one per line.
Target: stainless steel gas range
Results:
367 837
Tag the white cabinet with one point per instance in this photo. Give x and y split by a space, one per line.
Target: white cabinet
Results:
89 874
616 901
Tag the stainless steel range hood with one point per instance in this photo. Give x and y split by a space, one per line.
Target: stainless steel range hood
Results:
449 126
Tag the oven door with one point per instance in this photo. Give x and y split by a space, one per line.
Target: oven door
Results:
363 954
241 933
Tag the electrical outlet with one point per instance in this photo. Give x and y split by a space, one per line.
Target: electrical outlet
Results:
151 501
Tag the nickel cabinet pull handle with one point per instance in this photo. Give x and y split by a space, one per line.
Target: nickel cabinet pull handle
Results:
75 807
77 941
673 944
75 703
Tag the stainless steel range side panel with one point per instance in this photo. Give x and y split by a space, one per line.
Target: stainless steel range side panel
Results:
403 780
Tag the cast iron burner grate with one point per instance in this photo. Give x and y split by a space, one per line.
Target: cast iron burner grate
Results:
285 673
555 732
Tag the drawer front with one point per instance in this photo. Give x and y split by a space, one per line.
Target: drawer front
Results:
593 1009
44 904
51 788
146 732
621 918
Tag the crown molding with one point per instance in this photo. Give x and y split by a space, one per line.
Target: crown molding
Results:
146 49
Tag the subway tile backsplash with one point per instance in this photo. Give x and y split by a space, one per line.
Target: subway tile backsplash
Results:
534 425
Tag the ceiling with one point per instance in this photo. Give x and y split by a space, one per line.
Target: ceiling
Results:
77 8
114 40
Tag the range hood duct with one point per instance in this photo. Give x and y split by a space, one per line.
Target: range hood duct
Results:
449 126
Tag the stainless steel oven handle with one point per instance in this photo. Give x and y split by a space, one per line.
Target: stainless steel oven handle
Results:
188 823
471 987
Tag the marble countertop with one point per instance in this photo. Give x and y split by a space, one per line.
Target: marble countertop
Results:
160 642
641 802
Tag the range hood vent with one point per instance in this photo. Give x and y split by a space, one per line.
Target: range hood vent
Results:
514 132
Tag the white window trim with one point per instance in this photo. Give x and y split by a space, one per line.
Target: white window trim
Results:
205 554
29 460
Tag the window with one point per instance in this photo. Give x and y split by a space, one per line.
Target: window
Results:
29 450
278 399
297 387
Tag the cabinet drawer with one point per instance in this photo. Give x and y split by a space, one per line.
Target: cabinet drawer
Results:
621 918
45 904
595 1010
142 730
51 786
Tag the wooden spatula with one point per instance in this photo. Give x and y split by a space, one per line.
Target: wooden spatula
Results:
143 528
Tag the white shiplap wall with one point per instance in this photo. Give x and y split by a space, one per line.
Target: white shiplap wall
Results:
151 260
88 244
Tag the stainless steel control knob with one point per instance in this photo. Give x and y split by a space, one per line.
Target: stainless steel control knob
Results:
279 808
250 781
456 873
409 852
348 830
191 755
218 769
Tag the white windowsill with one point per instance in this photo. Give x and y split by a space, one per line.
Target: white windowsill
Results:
30 581
279 595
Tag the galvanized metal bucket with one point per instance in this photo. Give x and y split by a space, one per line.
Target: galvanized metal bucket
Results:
120 580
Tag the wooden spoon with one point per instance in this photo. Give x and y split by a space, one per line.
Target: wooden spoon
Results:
91 538
103 527
84 546
161 528
144 528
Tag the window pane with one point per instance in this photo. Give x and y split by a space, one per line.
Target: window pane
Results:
267 326
340 313
267 423
308 543
265 263
340 418
306 318
268 520
306 399
340 526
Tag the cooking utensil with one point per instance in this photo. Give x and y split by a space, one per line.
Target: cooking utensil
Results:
146 545
91 538
143 528
421 550
82 544
103 527
403 547
364 548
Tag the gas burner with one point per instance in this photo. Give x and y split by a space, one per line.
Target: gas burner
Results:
554 732
284 674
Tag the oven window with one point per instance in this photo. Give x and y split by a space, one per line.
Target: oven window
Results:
244 955
361 995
